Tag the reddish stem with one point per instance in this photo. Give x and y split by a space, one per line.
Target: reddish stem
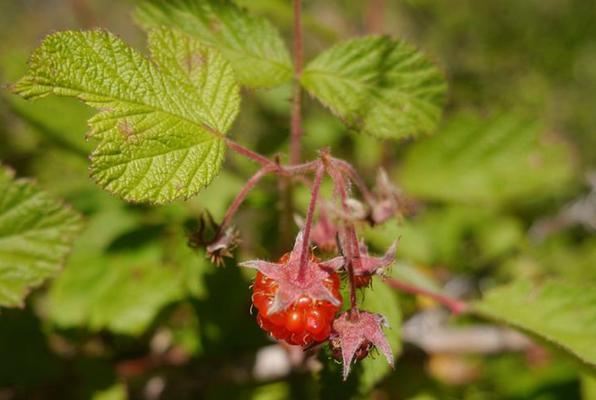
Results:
241 196
83 13
287 170
355 177
456 306
351 252
304 255
264 161
375 13
355 254
300 169
296 123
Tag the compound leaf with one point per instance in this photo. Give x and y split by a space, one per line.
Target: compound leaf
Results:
36 234
161 122
379 86
251 44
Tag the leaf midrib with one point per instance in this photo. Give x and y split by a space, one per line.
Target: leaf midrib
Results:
368 86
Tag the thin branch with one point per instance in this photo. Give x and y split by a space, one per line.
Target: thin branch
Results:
456 306
355 258
296 123
350 252
83 13
241 196
304 255
238 148
300 169
356 179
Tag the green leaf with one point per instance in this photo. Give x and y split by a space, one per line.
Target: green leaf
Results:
588 383
251 44
36 234
379 86
115 392
161 122
66 133
121 292
383 300
493 161
120 276
463 238
556 312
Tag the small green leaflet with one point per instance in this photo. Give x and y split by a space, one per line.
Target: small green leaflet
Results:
494 161
162 121
379 86
560 313
251 44
36 234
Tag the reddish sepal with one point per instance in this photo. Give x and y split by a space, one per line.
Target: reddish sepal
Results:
353 335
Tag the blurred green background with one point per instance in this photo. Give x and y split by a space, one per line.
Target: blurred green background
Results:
506 189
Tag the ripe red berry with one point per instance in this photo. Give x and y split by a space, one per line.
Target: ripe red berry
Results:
304 321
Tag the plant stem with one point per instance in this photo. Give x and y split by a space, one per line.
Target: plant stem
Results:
238 148
296 123
287 170
304 255
83 13
374 15
351 252
354 257
241 196
356 178
456 306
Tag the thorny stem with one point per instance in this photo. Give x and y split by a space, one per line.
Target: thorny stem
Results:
454 305
296 123
304 254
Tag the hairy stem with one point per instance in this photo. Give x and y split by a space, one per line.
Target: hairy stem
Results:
351 252
304 255
296 123
355 254
454 305
355 178
285 170
264 161
241 196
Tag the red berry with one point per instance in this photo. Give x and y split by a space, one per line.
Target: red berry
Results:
305 321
